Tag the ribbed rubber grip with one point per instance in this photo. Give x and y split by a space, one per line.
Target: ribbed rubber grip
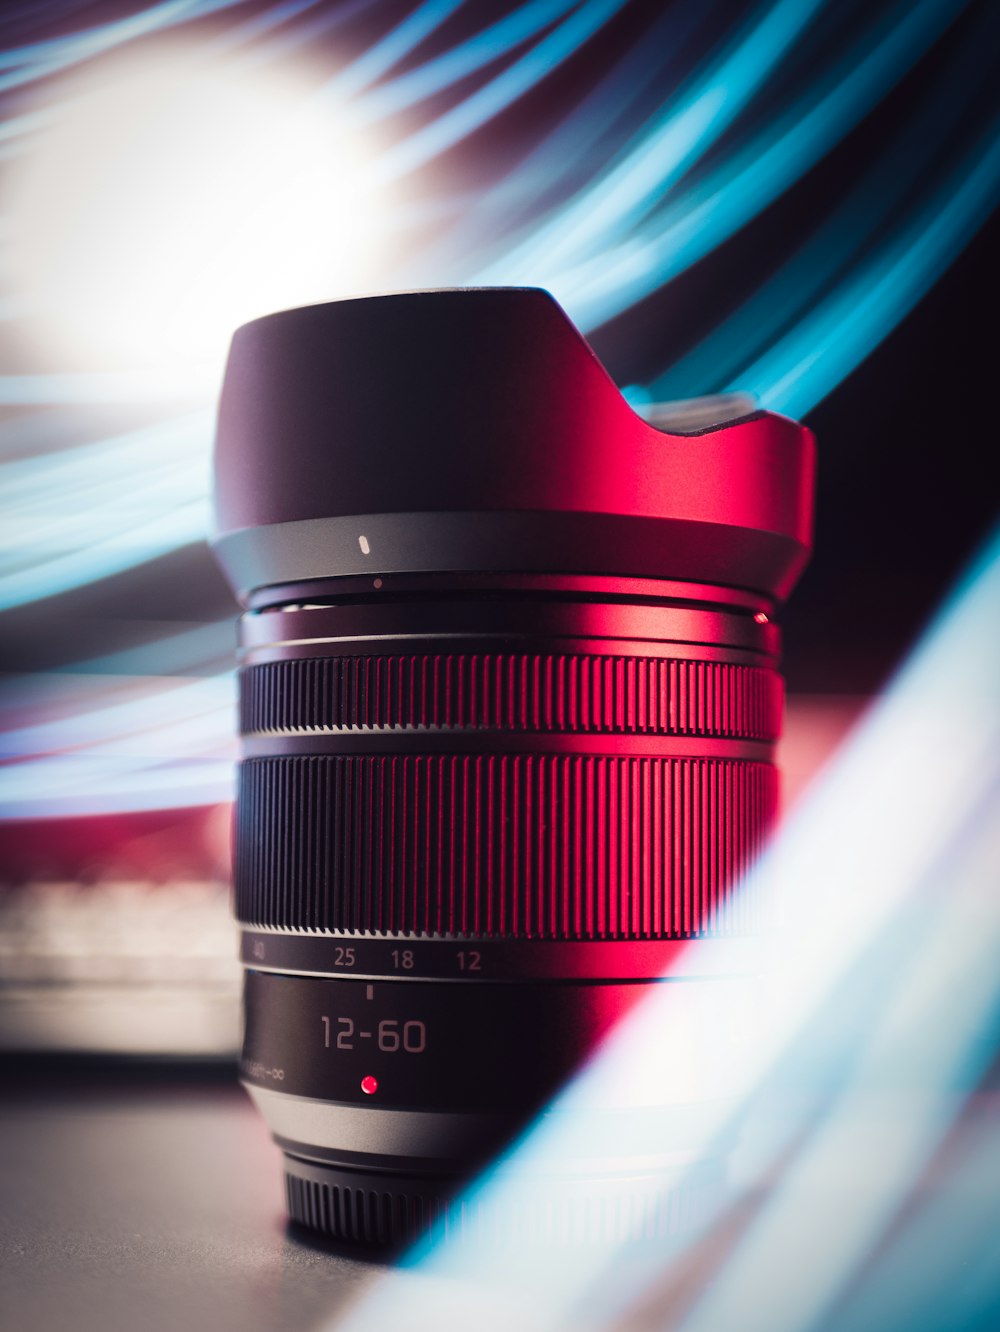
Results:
361 1215
513 692
545 846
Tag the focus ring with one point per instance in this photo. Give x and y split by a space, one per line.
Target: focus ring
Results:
610 694
544 846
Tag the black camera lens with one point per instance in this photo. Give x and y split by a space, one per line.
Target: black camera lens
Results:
508 703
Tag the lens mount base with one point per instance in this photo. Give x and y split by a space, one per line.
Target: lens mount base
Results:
388 1210
367 1207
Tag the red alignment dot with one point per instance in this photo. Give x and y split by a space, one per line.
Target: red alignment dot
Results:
369 1085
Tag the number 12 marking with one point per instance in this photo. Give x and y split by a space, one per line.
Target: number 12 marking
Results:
343 1036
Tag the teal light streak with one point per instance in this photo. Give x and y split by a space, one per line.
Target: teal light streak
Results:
801 369
160 748
101 558
85 512
486 223
502 91
692 121
403 38
86 388
81 786
756 325
40 59
709 212
477 52
192 715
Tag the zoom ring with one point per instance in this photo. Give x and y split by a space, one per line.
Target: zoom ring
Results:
543 846
589 693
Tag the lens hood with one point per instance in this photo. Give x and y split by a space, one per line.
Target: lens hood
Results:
475 431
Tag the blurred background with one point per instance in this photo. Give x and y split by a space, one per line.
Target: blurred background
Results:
788 198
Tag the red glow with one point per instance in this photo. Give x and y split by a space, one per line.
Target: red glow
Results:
760 617
369 1085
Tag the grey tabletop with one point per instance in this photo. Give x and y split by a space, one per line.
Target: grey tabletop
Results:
152 1204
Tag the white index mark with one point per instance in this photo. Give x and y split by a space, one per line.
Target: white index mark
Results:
363 543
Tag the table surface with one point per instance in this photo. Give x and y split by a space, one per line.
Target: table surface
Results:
152 1204
151 1201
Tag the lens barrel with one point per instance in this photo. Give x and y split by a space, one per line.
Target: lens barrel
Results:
508 703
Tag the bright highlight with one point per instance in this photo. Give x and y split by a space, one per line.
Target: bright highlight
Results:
167 201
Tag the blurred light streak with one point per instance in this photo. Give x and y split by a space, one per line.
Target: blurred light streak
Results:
144 541
40 59
87 511
15 126
122 731
133 728
452 126
189 652
879 986
36 433
62 701
619 197
265 23
170 444
485 48
295 36
81 786
491 219
801 369
238 35
934 1272
624 271
890 1114
812 269
398 42
163 746
99 387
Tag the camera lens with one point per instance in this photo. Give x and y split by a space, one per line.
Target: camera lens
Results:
508 702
